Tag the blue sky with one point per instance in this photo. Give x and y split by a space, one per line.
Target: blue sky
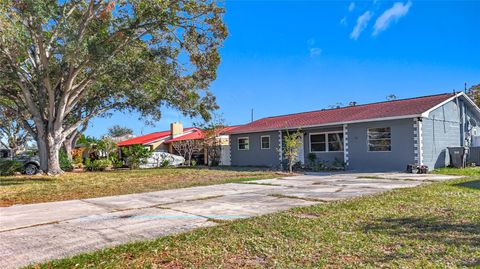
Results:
292 56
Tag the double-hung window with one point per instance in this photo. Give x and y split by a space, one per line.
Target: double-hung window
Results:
243 143
379 139
326 142
265 142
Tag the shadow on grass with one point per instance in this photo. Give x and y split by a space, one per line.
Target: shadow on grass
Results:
437 231
22 181
474 184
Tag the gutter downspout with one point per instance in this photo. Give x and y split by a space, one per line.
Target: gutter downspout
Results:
461 120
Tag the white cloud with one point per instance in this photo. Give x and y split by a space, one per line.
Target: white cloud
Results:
311 41
362 23
351 7
315 52
343 21
390 15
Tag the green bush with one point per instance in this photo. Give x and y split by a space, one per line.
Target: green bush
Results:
88 164
136 155
117 162
78 160
102 164
165 163
97 165
8 167
65 163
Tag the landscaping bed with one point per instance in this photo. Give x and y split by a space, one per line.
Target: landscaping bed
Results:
36 189
432 226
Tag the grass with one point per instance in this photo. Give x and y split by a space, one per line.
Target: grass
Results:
430 226
36 189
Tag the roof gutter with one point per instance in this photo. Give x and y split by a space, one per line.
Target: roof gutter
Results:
331 124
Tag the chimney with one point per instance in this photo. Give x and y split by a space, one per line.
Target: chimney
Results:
176 128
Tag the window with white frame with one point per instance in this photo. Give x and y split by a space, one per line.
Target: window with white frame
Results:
379 139
326 142
265 142
243 143
335 142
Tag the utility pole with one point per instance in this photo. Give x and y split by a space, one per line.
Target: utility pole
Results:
251 116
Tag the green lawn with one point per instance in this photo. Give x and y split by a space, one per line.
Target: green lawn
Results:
431 226
36 189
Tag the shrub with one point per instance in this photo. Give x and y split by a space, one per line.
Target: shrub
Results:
88 164
102 164
165 163
116 162
214 162
338 164
78 161
97 165
65 163
312 157
9 167
136 155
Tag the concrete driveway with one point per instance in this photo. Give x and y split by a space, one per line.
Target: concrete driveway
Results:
40 232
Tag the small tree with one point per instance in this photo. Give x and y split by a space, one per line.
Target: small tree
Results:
136 155
118 131
212 140
291 146
107 147
89 143
187 148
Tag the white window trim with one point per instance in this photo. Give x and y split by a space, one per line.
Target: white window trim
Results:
238 142
326 141
261 142
382 151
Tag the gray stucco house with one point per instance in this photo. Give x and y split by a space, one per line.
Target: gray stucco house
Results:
384 136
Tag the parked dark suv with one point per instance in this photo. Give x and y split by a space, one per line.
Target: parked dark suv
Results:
31 165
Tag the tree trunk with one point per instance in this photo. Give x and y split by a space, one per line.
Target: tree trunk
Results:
54 161
42 154
13 152
67 146
48 148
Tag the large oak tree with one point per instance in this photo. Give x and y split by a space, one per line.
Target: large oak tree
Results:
65 62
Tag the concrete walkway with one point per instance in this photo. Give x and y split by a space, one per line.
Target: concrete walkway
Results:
40 232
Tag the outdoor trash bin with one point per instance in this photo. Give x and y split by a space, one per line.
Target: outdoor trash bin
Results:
458 156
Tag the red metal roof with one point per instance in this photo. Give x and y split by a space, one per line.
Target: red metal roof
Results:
196 134
229 129
144 139
397 108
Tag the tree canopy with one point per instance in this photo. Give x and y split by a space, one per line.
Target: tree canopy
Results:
65 62
117 131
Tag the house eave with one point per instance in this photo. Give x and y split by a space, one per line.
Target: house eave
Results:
331 124
460 94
